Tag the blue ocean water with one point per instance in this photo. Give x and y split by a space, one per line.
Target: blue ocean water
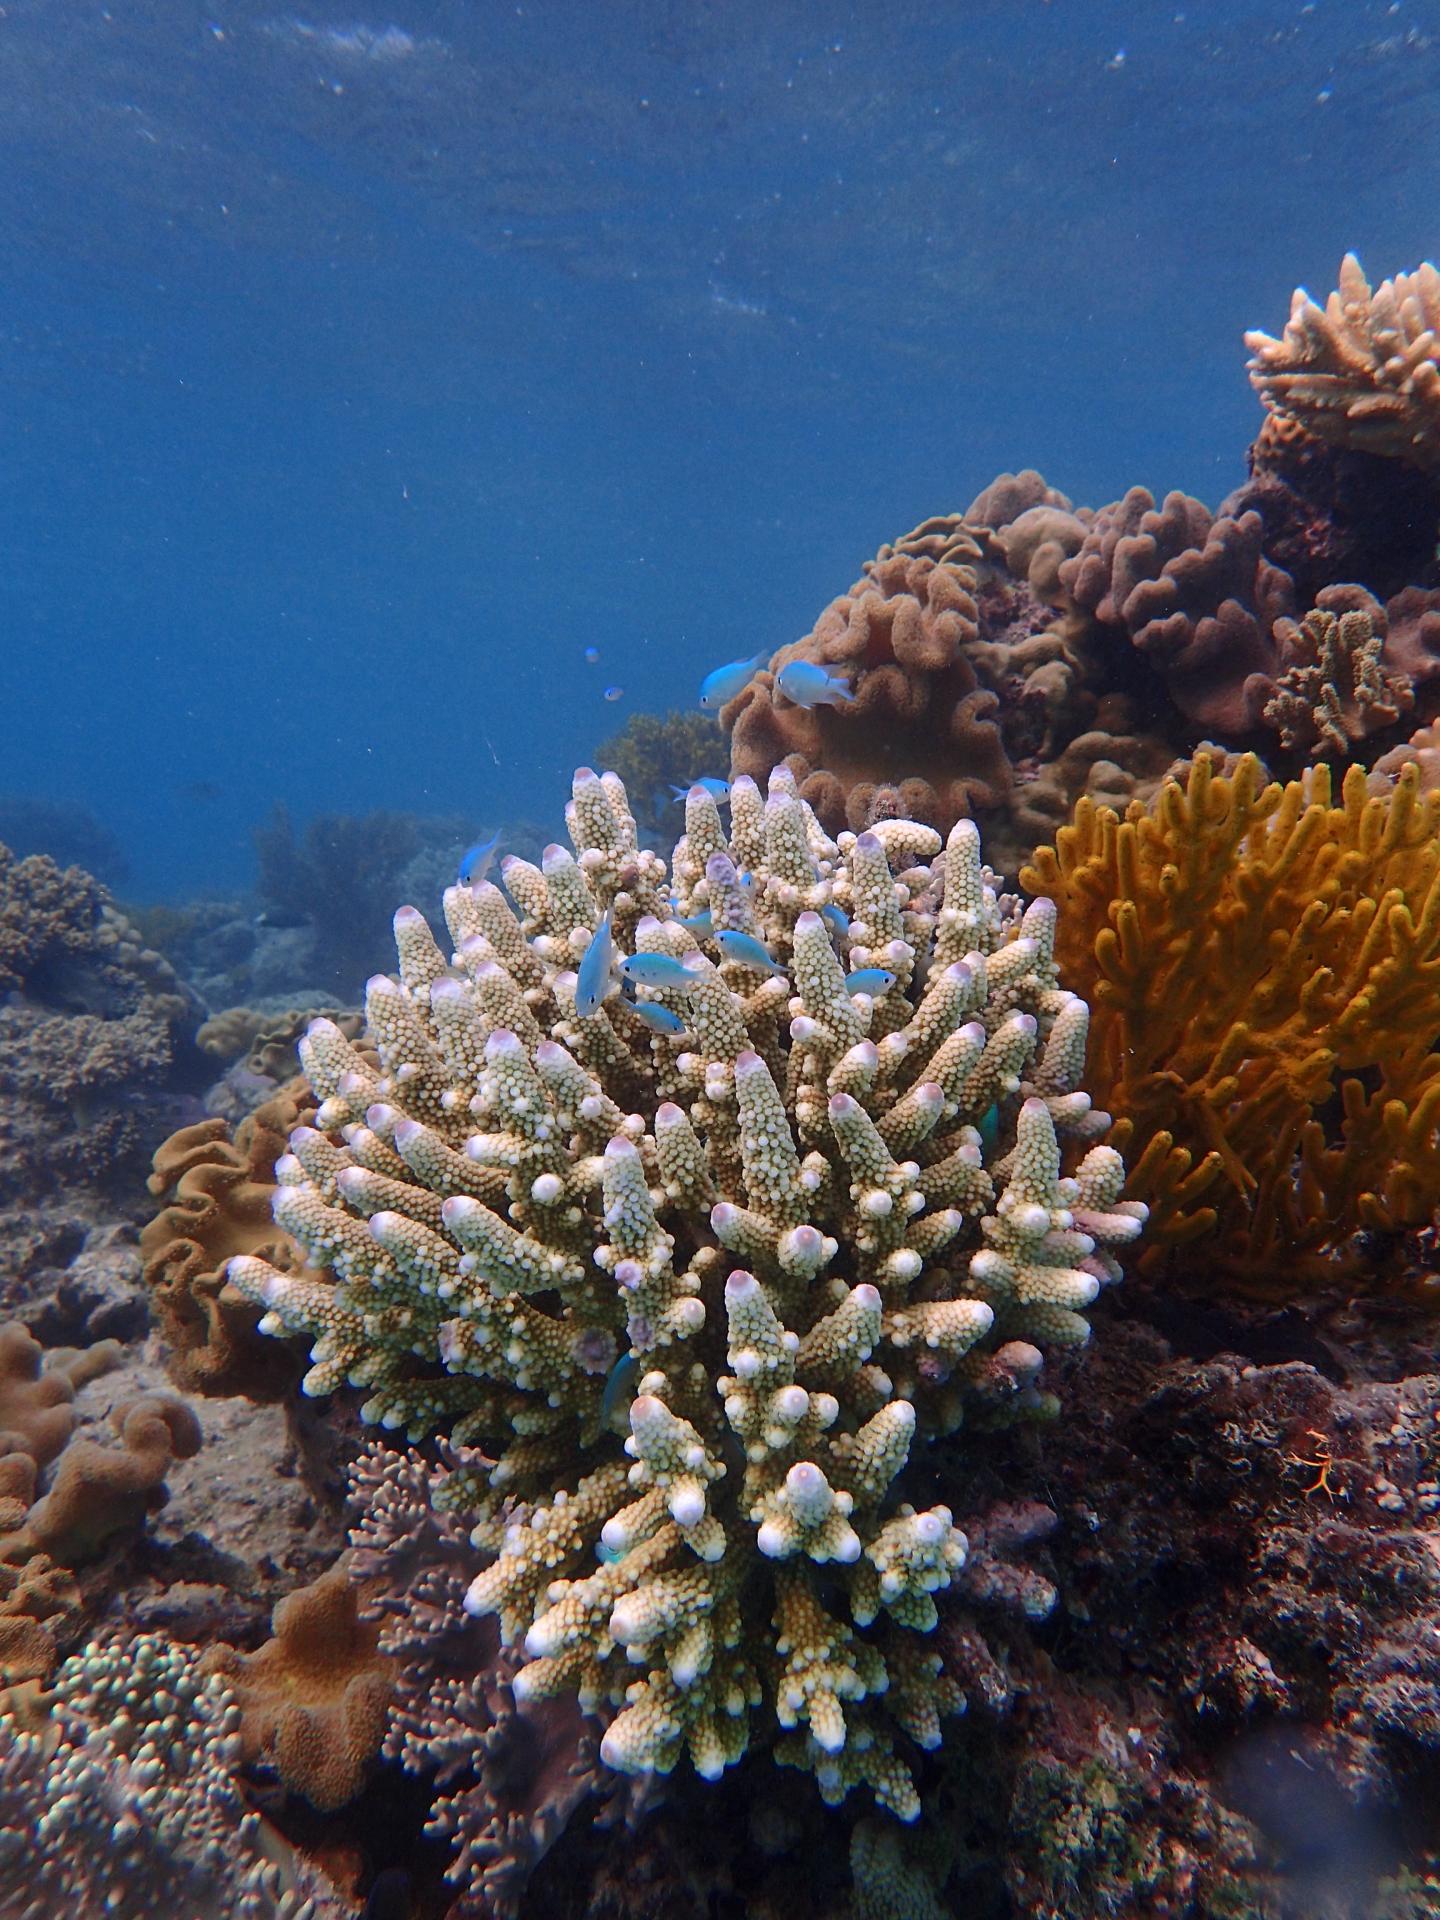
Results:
364 368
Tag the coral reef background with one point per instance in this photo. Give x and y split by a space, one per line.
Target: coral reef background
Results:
934 1413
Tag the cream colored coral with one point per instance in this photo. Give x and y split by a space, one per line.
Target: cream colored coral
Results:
1364 369
703 1301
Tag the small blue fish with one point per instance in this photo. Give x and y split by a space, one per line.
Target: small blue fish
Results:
725 682
809 685
592 654
989 1128
837 919
614 693
619 1381
871 980
592 982
662 1019
748 951
698 923
656 970
476 861
718 790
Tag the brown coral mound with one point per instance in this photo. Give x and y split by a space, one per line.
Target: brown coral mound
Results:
314 1698
920 739
100 1491
96 1491
1364 369
1194 595
219 1190
1263 972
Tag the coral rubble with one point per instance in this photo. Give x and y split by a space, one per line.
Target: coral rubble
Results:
776 1248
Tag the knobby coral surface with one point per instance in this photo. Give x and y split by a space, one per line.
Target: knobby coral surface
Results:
1263 967
1364 369
778 1253
123 1799
93 1030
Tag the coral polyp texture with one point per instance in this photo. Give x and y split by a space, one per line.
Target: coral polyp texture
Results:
1263 966
1364 369
704 1296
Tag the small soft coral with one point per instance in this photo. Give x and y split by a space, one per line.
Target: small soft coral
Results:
313 1699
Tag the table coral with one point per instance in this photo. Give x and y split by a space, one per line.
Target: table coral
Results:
124 1801
1263 966
1364 369
776 1249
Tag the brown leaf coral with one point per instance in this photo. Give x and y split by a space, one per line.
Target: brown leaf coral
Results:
1194 595
1263 968
218 1193
920 738
779 1251
1364 369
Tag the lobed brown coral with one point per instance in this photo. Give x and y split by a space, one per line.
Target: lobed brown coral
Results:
218 1190
1194 595
95 1491
1364 369
1264 971
920 739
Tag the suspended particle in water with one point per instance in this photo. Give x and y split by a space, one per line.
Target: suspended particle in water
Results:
592 654
614 693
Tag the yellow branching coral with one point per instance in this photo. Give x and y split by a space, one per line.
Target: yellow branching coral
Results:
1263 969
704 1267
1364 369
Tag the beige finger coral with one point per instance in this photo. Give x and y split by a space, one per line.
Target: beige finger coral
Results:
1363 370
704 1297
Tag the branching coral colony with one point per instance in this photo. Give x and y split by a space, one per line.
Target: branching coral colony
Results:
703 1294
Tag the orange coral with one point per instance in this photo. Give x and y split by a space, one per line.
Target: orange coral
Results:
220 1193
1362 371
1262 967
314 1698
